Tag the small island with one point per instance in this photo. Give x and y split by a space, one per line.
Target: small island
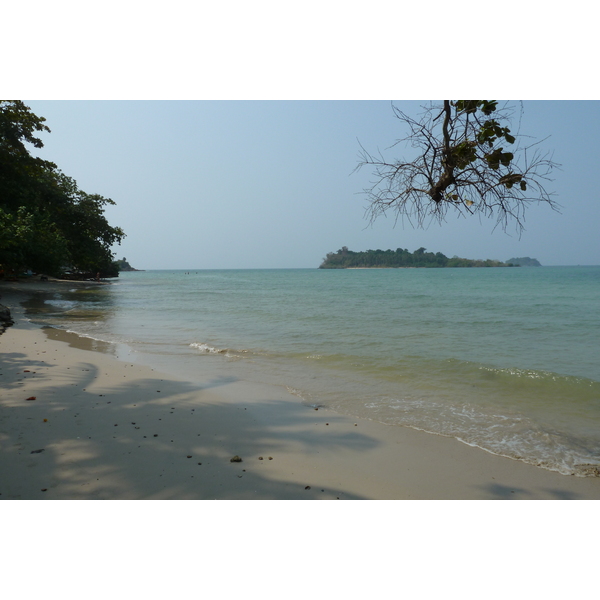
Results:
400 258
123 265
524 261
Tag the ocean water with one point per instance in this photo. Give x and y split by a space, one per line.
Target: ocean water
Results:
504 359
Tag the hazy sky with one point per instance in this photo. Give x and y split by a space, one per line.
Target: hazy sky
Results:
269 184
265 180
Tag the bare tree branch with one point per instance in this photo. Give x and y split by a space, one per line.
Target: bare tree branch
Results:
462 164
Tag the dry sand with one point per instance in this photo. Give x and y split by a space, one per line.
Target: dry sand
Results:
77 423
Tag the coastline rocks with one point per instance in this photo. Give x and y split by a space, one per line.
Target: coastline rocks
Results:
5 318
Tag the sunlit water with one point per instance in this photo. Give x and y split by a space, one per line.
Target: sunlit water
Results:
500 358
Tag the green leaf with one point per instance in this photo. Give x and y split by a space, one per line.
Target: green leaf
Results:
488 107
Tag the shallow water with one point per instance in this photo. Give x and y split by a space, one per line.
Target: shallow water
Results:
504 359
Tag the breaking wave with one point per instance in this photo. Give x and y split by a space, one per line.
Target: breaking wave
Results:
206 349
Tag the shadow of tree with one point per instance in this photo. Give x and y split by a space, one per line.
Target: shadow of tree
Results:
502 492
563 494
15 362
155 439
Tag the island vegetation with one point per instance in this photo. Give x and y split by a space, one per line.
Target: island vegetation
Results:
524 261
399 258
123 265
47 224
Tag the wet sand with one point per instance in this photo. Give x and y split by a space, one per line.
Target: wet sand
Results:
77 423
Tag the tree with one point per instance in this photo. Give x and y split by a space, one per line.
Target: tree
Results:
345 259
47 223
467 160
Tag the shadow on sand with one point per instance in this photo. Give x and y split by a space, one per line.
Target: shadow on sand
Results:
155 439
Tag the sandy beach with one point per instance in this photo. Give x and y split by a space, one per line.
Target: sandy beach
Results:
77 423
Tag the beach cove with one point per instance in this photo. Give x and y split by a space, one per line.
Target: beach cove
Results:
77 422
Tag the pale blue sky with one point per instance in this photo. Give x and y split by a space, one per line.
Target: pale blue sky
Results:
208 183
269 184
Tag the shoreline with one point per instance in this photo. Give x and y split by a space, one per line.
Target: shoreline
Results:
116 430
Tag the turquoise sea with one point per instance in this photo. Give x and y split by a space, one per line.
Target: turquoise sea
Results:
506 359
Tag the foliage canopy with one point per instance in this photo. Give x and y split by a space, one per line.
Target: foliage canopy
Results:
401 257
47 224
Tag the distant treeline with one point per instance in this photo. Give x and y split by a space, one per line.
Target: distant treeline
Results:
123 265
524 261
347 259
